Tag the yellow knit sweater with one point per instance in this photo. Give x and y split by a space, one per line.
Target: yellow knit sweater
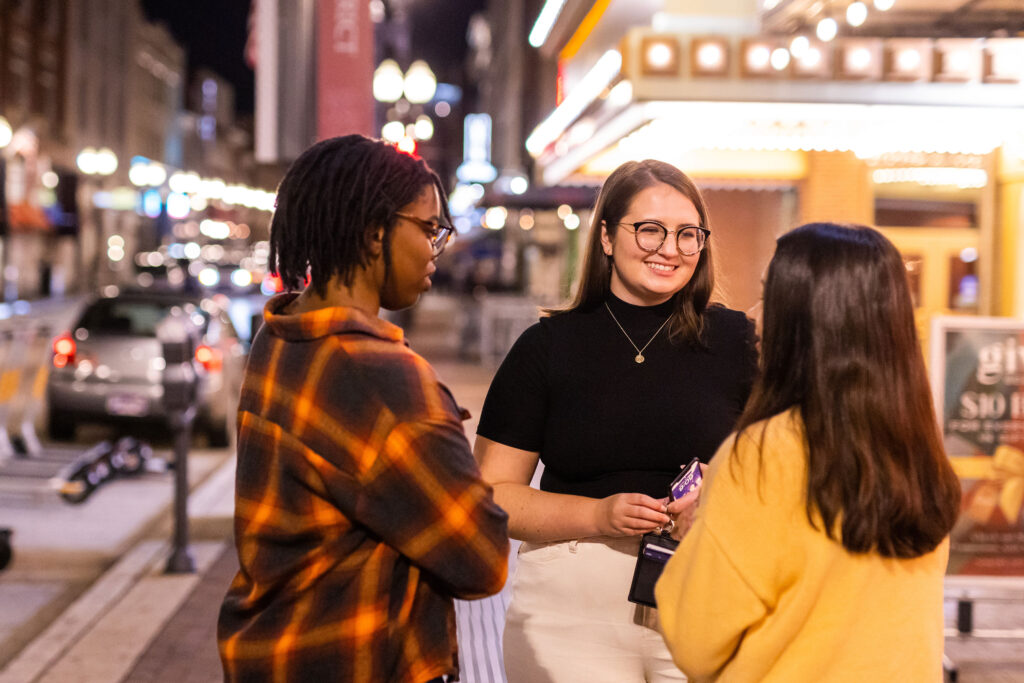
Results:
755 593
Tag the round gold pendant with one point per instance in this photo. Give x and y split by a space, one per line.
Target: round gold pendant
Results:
639 358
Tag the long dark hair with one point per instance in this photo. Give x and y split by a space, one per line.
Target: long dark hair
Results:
612 204
840 344
332 197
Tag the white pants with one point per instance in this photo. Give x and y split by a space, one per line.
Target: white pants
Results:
569 619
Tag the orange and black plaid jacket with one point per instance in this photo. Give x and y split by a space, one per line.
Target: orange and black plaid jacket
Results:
359 509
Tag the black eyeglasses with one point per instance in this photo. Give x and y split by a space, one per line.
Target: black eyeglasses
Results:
440 235
650 235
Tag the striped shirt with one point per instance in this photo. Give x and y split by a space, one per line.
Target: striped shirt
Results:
359 509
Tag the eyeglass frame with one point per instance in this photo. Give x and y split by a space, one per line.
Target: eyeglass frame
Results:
665 233
433 230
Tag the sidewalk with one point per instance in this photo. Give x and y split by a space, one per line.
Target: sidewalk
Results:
137 624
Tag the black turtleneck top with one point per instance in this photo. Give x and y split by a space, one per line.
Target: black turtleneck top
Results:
603 424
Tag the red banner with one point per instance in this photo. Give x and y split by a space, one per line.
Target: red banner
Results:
344 68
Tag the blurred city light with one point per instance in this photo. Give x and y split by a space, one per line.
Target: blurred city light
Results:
758 57
178 205
462 199
711 56
827 29
388 81
545 21
856 13
50 179
241 278
519 184
780 58
152 203
271 284
621 94
87 161
209 277
884 5
216 230
526 220
156 174
103 199
212 188
420 83
393 131
138 173
798 46
407 145
593 84
661 56
476 150
6 132
198 202
424 127
571 222
106 161
495 217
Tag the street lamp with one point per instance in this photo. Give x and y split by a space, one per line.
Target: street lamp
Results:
420 83
86 160
106 161
102 162
388 81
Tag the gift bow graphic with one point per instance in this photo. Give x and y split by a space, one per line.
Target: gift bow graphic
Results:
1008 467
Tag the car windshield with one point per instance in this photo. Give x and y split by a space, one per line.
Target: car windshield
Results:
132 318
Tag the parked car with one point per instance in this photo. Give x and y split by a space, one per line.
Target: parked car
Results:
109 367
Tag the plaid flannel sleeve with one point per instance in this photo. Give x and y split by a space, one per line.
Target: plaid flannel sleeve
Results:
423 495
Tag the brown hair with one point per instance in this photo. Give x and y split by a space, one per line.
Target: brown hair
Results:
840 344
617 193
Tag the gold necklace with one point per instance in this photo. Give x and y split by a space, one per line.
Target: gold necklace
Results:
639 351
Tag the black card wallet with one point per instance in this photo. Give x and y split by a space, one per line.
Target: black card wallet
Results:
655 551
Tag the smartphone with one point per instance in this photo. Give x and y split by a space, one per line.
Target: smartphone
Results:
685 481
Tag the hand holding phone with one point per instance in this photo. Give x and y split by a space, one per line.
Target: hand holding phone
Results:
687 480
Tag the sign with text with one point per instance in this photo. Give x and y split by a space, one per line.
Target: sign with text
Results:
344 68
977 369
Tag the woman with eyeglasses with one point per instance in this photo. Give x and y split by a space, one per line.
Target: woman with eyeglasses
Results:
639 374
820 546
360 512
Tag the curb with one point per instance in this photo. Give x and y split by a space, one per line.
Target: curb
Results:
108 627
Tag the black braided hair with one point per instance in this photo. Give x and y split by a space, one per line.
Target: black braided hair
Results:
332 198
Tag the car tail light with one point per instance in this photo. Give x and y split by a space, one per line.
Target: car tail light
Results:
272 284
64 348
209 357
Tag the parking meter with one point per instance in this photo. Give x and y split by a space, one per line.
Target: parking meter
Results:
179 337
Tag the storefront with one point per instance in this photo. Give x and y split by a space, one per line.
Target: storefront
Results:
923 138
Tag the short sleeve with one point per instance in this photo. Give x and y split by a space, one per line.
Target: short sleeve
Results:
516 404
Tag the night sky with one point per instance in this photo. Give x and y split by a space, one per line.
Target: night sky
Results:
214 32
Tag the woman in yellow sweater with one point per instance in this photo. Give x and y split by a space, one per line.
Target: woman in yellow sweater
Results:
820 544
